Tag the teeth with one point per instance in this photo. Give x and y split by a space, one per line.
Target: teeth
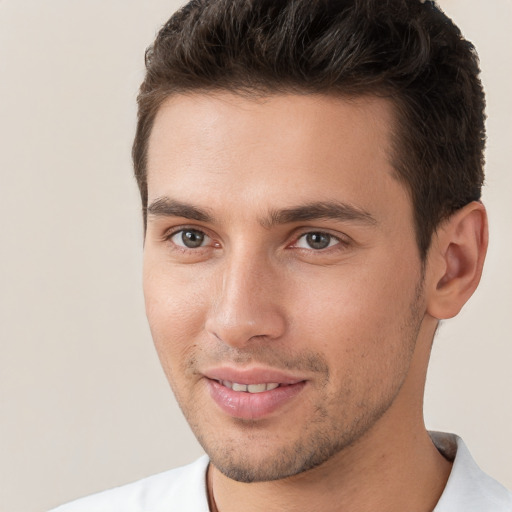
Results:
250 388
256 388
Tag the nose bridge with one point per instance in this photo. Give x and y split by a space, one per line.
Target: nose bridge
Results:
247 303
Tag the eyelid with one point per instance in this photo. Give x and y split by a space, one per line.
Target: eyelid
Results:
204 242
301 232
343 241
169 232
173 231
332 239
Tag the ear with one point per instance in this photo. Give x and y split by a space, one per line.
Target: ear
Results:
455 260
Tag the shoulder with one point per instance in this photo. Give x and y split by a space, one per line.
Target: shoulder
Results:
180 489
468 488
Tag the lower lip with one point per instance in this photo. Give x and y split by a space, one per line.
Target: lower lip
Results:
252 406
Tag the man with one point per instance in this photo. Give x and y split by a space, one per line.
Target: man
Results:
310 173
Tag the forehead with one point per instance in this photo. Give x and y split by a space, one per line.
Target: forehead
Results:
273 150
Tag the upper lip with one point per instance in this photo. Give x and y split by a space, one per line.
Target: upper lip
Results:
251 375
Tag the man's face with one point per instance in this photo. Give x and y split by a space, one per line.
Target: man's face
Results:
281 275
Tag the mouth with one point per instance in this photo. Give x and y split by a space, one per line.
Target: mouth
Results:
252 395
250 388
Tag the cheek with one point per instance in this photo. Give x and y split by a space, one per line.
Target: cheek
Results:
175 311
361 318
356 300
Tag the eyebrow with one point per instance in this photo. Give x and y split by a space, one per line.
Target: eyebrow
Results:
320 210
167 207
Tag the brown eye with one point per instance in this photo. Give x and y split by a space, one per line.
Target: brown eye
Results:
190 238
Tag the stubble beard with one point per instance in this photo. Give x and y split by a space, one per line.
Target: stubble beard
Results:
324 436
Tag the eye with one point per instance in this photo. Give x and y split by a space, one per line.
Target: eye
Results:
316 240
190 238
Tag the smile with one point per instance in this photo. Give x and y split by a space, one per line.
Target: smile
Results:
249 388
253 401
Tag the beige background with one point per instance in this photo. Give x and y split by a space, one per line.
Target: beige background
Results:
84 404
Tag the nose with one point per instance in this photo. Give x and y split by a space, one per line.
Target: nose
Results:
247 304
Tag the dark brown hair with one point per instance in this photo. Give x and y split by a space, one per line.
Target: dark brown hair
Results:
405 50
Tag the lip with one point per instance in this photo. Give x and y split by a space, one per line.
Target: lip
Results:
252 406
251 375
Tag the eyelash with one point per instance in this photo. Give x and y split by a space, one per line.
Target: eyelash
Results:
331 238
170 235
340 243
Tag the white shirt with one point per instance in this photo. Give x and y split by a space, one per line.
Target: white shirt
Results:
183 489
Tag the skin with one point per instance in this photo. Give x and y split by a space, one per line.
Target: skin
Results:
354 321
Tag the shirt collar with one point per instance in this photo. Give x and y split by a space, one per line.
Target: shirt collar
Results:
468 488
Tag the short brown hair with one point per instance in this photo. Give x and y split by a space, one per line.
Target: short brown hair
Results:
405 50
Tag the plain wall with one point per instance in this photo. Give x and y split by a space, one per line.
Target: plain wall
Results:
84 404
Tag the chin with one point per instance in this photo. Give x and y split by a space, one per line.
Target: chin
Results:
263 463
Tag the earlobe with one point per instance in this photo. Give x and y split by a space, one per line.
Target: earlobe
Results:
456 259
